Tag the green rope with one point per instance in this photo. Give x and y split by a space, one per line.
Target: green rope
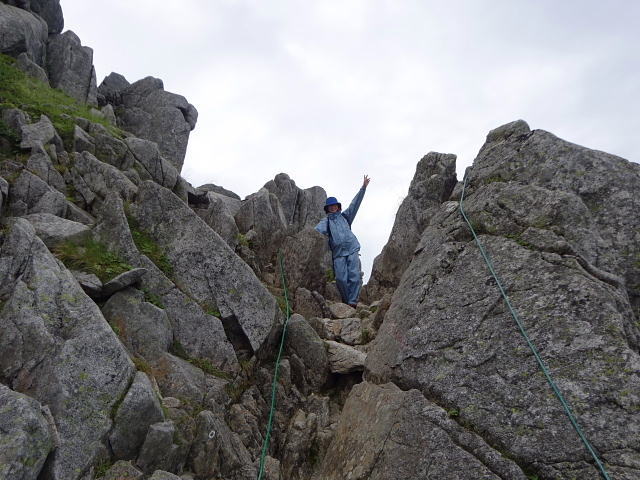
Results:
535 353
275 375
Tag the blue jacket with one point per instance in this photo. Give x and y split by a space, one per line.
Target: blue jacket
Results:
337 226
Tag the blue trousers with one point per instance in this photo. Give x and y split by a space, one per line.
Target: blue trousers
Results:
347 271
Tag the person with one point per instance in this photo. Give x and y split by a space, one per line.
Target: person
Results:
344 244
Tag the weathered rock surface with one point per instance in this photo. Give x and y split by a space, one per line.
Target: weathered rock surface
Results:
154 114
138 411
28 66
24 435
51 12
205 266
54 230
307 345
142 327
387 434
301 208
70 67
450 390
465 351
58 349
23 32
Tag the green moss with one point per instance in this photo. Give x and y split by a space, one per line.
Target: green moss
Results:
330 275
519 241
242 240
152 298
205 365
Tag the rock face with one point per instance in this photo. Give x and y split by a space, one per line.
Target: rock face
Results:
149 112
541 225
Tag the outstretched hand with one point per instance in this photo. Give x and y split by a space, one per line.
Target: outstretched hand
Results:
366 181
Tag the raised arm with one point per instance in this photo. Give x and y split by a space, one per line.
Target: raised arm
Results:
350 213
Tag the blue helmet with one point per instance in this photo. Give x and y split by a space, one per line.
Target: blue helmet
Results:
332 201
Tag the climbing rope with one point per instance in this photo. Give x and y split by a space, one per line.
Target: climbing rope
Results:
524 332
275 375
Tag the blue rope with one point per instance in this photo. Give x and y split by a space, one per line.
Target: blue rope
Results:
275 375
524 333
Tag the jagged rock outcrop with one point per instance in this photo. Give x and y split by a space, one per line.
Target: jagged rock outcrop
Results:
432 184
70 67
450 335
145 109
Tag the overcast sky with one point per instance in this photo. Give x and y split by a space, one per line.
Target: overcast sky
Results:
327 91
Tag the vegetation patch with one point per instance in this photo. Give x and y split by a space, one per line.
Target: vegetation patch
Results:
148 247
142 365
152 298
18 90
330 275
91 256
205 365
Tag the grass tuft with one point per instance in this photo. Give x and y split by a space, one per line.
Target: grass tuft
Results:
91 256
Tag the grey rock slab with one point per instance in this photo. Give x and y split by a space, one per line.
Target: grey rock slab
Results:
139 409
200 334
216 450
122 281
89 282
342 310
22 32
202 190
58 348
180 379
204 265
262 213
301 208
31 194
306 261
604 188
143 328
24 435
26 65
82 141
162 475
162 117
344 358
112 86
70 67
158 450
219 215
54 230
94 179
146 153
40 164
37 134
305 342
385 433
